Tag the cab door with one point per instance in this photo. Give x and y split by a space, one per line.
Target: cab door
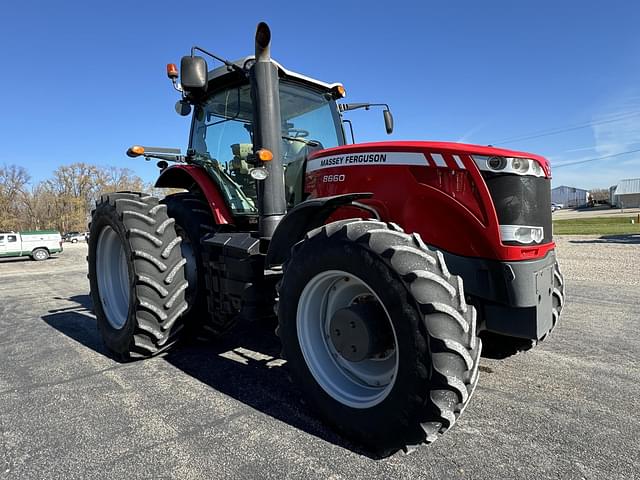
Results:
13 245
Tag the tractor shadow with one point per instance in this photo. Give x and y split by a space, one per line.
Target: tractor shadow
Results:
630 239
244 365
77 322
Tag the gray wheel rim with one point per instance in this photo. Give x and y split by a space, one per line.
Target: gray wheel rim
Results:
40 255
113 277
355 384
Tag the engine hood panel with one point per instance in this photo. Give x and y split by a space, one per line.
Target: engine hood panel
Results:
430 147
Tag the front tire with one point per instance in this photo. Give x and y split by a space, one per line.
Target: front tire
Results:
431 350
136 275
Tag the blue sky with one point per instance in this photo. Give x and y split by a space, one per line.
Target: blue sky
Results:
83 80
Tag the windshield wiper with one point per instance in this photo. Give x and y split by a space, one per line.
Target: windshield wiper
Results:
311 143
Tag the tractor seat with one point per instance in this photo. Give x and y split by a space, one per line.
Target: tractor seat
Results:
241 152
292 150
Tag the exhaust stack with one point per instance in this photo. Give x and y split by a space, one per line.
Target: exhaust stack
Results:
263 43
267 134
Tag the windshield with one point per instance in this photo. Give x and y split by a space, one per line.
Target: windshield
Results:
222 135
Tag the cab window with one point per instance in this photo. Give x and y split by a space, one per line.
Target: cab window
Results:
12 238
310 118
222 135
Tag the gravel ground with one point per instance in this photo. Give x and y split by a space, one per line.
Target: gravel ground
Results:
566 213
568 409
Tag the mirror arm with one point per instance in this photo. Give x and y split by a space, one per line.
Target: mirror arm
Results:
343 107
230 65
344 120
168 157
177 86
386 107
388 118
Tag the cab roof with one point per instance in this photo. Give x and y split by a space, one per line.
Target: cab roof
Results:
222 74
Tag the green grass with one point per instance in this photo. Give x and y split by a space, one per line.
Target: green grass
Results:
597 226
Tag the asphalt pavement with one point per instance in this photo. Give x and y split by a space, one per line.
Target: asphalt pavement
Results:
568 409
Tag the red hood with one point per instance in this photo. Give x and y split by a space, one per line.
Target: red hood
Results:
445 147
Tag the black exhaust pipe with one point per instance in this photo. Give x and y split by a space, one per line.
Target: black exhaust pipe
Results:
267 134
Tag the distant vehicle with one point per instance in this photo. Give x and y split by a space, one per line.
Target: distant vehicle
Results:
556 206
75 237
37 244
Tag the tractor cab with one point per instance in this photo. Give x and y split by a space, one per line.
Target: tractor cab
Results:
222 132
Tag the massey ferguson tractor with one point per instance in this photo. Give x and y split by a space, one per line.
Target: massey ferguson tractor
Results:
361 250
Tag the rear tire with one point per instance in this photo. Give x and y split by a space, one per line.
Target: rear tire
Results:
136 275
40 254
434 337
503 346
193 221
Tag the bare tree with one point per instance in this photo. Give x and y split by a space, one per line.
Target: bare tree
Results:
13 186
76 187
62 202
114 179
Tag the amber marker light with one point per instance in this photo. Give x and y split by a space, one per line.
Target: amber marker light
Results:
341 91
264 155
172 70
135 151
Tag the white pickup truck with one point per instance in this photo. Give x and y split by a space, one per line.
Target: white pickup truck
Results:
37 244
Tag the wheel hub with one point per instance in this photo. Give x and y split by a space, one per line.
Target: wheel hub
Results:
360 383
360 331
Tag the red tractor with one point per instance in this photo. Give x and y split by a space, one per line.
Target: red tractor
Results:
360 249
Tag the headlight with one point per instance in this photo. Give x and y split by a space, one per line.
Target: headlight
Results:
259 173
520 165
521 234
517 165
537 169
497 163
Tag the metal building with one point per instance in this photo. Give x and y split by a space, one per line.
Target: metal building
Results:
627 193
569 196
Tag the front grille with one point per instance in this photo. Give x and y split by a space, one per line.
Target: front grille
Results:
521 200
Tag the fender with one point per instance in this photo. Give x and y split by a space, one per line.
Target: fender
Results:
185 176
303 217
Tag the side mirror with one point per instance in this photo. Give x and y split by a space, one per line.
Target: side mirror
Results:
193 74
388 121
183 108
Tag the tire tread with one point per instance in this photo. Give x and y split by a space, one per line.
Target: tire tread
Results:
159 299
448 386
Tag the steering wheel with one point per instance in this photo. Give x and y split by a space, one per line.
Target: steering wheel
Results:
297 132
